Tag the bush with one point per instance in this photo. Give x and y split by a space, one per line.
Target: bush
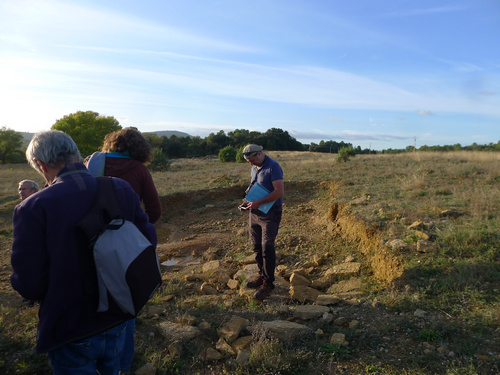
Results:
239 155
159 161
227 154
345 153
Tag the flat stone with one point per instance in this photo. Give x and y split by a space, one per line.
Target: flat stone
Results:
307 312
282 329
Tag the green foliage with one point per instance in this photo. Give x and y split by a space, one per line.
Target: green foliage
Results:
456 147
274 139
239 155
159 161
429 335
216 142
87 129
242 137
11 143
328 146
345 153
227 154
336 350
278 140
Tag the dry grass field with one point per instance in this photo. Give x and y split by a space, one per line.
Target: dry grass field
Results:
423 226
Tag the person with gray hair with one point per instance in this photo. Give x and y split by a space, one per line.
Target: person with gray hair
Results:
52 263
27 188
50 151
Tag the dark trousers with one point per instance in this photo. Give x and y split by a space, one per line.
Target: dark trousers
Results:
263 231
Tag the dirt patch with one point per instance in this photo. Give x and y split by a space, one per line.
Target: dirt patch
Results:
200 221
385 266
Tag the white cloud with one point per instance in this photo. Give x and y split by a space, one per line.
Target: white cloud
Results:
422 112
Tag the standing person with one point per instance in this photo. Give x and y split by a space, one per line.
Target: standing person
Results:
124 153
48 260
264 227
27 188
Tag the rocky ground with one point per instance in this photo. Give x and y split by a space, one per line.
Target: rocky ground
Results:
330 269
325 311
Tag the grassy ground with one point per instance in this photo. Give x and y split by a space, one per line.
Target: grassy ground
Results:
456 196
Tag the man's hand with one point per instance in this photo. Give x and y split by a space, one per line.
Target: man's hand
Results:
244 206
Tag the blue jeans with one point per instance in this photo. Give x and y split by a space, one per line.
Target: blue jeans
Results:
100 353
128 350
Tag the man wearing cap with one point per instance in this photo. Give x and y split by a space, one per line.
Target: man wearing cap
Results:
264 227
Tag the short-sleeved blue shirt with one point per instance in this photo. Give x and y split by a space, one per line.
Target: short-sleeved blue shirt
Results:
269 172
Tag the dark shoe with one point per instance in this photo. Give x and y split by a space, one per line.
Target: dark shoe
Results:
258 281
264 292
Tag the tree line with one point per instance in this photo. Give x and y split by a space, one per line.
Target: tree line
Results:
88 128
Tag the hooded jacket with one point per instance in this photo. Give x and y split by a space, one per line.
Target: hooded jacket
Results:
139 177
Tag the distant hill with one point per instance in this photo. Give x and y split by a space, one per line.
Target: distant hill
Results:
167 133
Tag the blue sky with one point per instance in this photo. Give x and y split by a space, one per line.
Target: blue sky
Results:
374 73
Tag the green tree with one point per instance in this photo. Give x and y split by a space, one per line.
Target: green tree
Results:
216 142
227 154
278 140
159 161
345 153
87 129
11 143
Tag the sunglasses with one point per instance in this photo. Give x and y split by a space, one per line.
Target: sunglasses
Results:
249 155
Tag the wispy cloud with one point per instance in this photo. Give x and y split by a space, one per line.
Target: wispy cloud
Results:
347 135
61 22
422 112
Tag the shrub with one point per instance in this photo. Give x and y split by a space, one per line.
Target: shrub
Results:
345 153
227 154
159 161
239 155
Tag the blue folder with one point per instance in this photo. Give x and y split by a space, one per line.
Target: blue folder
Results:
258 192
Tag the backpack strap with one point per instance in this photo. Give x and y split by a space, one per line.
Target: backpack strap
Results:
105 208
107 197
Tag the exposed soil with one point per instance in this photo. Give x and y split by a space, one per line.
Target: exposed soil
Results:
207 225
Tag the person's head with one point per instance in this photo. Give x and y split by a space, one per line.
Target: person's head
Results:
27 188
253 154
128 140
50 151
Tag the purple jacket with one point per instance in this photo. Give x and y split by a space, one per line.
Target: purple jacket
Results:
45 254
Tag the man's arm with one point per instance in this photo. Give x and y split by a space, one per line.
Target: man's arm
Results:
29 257
277 193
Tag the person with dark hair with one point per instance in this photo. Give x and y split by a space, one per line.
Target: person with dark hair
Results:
124 153
27 188
264 226
50 260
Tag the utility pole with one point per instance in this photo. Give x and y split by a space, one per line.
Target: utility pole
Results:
414 144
